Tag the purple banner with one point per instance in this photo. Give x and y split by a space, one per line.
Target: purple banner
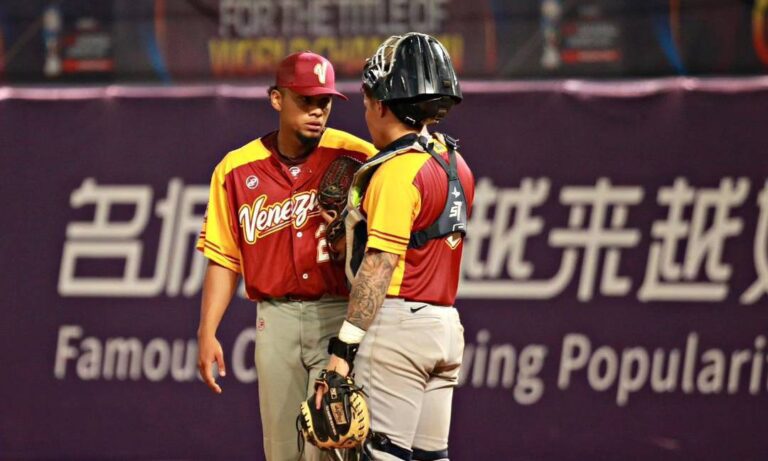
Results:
614 287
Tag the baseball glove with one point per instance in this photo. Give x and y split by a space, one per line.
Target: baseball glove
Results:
332 197
342 420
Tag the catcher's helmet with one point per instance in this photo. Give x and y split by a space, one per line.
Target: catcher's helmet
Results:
414 75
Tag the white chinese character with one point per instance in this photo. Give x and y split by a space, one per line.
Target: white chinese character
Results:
103 238
665 278
507 231
187 230
598 233
760 286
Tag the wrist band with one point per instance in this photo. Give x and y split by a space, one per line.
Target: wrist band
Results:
343 350
351 334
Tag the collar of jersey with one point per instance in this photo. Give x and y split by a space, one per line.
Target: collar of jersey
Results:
399 143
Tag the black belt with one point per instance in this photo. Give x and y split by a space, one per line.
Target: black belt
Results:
409 300
295 298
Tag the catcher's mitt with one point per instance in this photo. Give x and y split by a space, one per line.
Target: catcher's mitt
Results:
332 197
342 420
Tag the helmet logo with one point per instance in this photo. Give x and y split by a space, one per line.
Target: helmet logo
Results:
320 69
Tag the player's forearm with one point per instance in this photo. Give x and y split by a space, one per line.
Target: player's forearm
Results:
370 287
218 287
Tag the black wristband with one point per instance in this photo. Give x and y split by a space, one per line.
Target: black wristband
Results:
342 350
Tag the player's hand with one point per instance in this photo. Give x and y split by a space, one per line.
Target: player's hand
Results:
210 351
328 215
338 365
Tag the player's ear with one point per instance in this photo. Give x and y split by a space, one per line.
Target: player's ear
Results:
276 98
380 107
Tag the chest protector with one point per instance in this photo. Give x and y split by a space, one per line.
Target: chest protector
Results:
453 218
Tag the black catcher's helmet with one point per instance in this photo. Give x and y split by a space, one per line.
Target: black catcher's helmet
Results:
414 75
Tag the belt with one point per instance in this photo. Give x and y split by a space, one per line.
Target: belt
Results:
295 298
418 301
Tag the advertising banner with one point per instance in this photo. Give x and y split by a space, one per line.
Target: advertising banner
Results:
614 286
182 41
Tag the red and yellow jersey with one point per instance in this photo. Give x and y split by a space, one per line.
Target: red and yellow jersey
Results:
408 193
263 219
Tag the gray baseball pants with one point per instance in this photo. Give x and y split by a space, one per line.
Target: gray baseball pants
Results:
408 364
291 349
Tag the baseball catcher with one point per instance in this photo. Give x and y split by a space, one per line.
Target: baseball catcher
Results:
405 223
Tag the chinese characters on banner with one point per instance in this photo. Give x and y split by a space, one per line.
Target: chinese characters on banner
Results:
685 250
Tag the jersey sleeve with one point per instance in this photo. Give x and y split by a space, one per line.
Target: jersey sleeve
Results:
351 145
361 150
218 238
366 150
391 203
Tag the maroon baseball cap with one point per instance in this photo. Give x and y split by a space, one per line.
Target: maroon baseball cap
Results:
308 74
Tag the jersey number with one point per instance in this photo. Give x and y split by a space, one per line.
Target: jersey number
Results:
322 245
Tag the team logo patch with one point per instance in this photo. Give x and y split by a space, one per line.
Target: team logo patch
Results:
453 241
252 182
321 69
261 324
294 170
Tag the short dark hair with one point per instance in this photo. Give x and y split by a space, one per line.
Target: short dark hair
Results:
368 92
396 106
274 88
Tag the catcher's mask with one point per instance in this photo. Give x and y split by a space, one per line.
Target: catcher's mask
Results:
414 76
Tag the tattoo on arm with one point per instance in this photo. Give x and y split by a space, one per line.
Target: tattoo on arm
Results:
370 287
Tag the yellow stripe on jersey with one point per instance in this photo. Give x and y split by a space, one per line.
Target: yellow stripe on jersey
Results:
251 152
336 139
218 241
392 202
397 278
